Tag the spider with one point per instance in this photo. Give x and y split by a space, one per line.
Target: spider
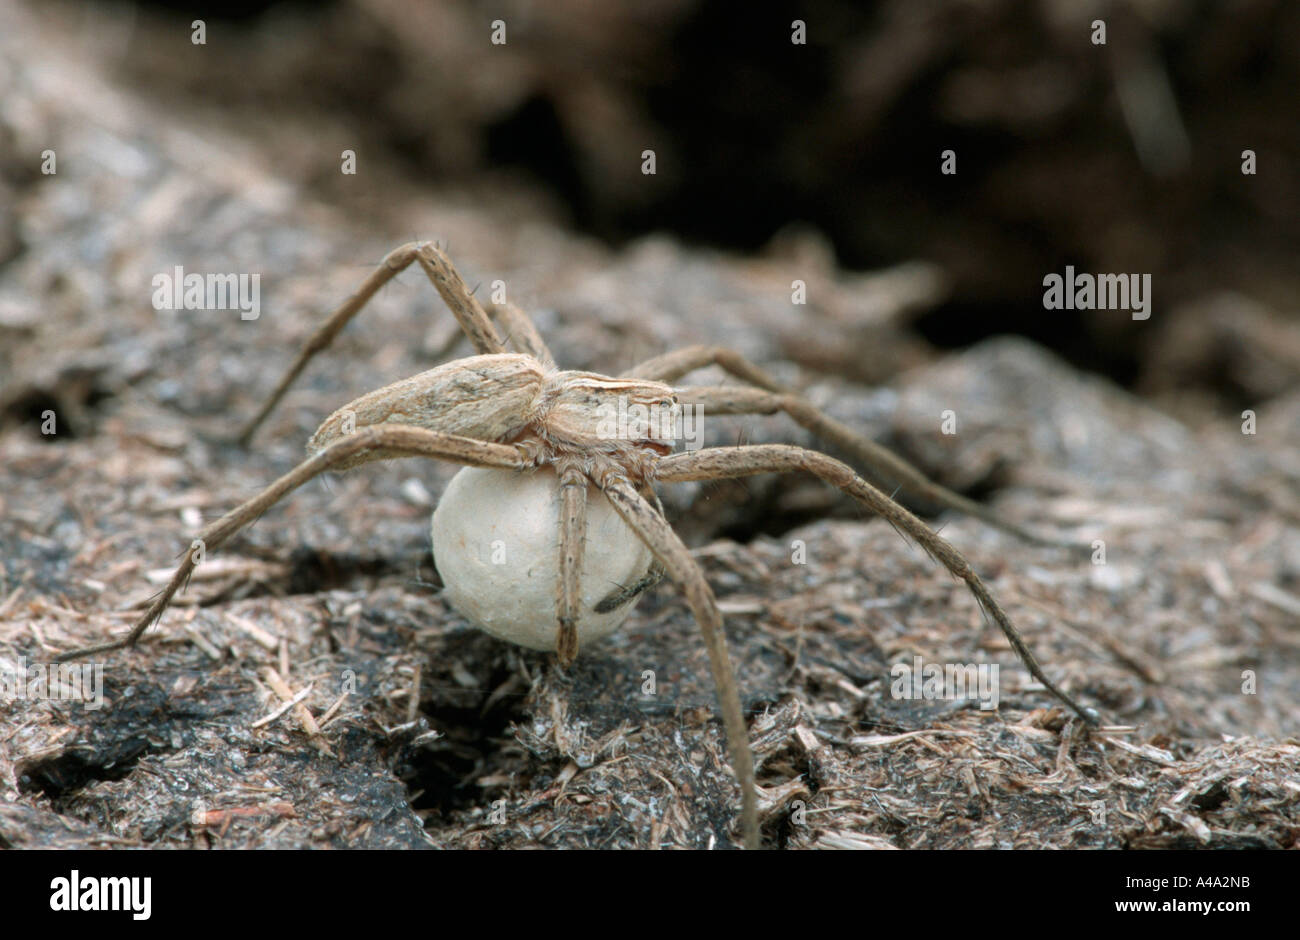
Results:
516 413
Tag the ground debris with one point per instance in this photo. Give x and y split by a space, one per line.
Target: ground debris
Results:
319 692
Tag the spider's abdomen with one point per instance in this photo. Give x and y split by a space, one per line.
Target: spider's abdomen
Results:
491 398
496 545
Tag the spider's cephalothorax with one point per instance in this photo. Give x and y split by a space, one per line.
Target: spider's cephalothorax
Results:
630 421
576 448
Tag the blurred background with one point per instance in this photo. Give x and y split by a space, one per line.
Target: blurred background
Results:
1123 157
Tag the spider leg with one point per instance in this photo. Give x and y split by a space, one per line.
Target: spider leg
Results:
653 529
573 538
522 333
673 365
467 310
653 574
723 462
391 438
882 465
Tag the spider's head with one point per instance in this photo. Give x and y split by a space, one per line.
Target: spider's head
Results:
590 410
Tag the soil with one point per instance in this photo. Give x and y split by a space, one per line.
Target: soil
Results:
1181 627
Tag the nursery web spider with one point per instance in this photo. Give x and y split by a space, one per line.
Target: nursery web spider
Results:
516 412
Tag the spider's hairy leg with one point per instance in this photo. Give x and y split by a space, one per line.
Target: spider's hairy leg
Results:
716 463
391 439
769 396
671 366
881 463
654 574
573 538
522 333
468 312
653 529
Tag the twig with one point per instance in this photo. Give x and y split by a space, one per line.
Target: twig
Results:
284 707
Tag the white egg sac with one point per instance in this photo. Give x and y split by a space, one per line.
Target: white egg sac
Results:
496 542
